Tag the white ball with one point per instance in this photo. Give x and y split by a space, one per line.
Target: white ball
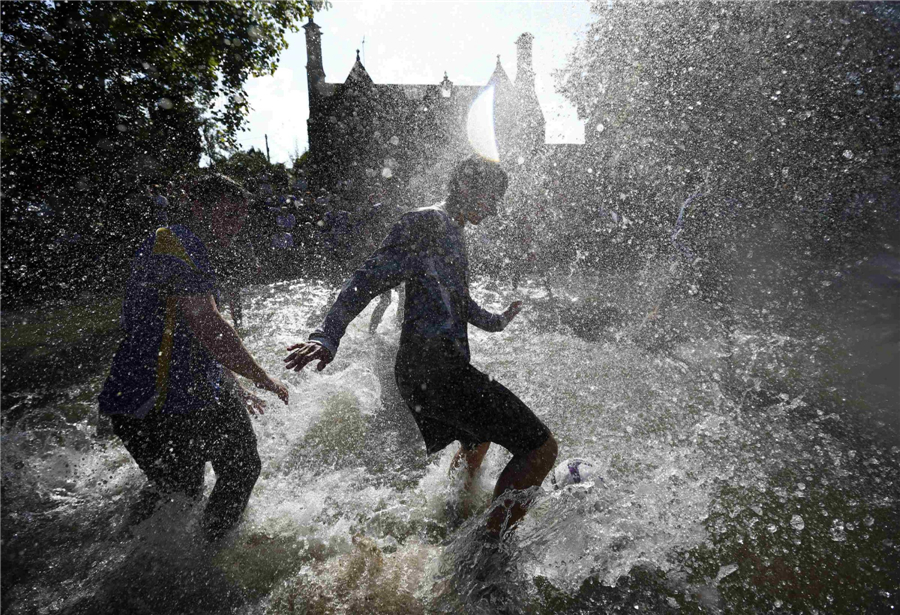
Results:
575 471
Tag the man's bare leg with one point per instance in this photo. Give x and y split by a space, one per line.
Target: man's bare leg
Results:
473 459
522 472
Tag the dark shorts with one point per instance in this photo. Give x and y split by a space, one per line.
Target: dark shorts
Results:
172 450
451 400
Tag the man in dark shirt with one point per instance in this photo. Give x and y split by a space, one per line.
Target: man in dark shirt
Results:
449 398
170 395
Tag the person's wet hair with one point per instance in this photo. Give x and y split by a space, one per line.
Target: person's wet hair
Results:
487 175
204 189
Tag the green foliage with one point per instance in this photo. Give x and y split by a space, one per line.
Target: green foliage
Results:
51 352
299 162
100 98
251 167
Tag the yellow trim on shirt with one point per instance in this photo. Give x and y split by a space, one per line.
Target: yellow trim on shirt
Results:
167 243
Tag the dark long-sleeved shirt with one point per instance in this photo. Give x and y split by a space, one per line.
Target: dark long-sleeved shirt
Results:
426 250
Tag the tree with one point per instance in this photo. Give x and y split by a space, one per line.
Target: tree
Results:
100 98
786 110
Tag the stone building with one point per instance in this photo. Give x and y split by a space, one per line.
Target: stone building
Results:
401 141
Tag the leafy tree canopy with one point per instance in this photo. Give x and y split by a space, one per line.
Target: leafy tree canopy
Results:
101 97
786 108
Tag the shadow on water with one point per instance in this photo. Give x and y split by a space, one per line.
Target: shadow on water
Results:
49 354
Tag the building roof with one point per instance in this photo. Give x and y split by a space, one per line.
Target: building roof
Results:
358 74
499 78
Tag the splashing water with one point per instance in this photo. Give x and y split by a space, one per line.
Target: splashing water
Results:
349 516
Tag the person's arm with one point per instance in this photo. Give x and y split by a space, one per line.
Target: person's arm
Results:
381 272
231 296
222 341
489 321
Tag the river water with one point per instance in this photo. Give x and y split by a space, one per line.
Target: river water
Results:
744 470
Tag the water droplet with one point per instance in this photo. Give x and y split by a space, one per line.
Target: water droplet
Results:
724 571
600 128
395 140
387 173
520 160
797 522
122 128
164 103
848 154
253 33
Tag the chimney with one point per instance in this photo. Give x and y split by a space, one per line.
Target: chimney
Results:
524 67
530 117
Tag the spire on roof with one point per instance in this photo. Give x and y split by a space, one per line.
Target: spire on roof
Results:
358 74
446 86
499 78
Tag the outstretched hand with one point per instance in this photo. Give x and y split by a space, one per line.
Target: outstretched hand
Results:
254 404
514 308
305 353
273 386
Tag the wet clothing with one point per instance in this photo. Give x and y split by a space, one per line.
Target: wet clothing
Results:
172 450
426 251
170 401
450 399
160 364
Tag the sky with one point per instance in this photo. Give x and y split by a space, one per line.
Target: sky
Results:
415 42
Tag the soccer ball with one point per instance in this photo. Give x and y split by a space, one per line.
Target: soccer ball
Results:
574 471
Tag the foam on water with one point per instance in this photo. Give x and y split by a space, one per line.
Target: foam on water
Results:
348 510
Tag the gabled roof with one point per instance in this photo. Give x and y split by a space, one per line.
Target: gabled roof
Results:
358 74
499 79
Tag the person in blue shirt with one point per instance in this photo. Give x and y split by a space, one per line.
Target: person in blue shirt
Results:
171 395
449 398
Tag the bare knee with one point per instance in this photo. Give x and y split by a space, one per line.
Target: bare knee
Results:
545 455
